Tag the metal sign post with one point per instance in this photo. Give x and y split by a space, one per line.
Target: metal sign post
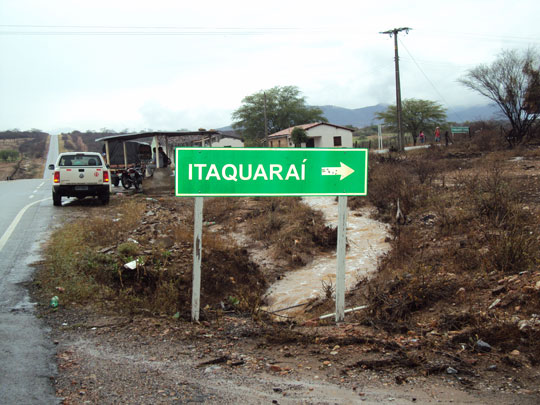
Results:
197 256
341 253
204 172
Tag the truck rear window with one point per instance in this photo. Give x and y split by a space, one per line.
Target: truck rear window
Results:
80 159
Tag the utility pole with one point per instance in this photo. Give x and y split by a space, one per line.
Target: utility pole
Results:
394 32
265 123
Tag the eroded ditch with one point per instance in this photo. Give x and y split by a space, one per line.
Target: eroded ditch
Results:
366 244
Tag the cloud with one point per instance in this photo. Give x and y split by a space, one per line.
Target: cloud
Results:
158 117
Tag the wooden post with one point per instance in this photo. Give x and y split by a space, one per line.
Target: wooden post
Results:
197 253
156 142
107 152
341 253
125 155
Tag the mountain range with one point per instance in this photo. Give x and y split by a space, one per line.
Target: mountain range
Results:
362 117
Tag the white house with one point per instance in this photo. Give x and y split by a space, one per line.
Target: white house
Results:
320 135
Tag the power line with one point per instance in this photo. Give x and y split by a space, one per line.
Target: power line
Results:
25 29
484 35
62 30
429 81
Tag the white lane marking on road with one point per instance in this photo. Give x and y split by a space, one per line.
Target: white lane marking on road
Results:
14 223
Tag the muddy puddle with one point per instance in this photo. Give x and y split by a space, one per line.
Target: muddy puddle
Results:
366 244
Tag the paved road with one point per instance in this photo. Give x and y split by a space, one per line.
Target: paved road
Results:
27 362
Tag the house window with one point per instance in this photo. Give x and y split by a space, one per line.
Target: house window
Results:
337 140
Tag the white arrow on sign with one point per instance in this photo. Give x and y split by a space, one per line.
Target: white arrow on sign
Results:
342 171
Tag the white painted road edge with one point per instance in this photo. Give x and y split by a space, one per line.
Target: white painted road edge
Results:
13 225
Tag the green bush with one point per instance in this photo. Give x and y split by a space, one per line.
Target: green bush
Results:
9 155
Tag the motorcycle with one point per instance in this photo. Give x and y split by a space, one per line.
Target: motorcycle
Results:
132 177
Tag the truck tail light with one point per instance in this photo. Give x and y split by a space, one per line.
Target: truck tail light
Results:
105 176
56 178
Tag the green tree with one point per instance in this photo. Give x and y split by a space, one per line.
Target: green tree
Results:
416 115
285 108
299 136
507 82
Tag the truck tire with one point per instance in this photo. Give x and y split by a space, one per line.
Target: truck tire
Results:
104 198
57 199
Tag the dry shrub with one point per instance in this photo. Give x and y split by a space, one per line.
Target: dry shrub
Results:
389 182
393 302
465 259
492 194
506 228
425 170
222 209
295 231
162 280
106 230
450 214
458 321
356 202
513 248
487 140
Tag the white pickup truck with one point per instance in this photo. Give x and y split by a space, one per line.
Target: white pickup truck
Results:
80 174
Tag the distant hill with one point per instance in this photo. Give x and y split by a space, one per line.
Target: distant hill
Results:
358 117
362 117
475 113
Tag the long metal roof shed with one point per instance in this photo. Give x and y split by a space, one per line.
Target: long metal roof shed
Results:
139 135
155 134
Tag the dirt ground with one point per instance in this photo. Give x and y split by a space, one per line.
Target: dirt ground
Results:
32 163
107 356
110 359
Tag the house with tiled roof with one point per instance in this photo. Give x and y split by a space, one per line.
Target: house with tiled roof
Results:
320 135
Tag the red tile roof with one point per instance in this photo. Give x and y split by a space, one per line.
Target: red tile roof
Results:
285 132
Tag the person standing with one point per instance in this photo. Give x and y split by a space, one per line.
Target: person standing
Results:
422 137
446 137
437 134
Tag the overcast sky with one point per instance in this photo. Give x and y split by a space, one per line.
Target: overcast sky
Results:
174 64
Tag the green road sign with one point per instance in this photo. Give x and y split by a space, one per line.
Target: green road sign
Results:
459 130
270 172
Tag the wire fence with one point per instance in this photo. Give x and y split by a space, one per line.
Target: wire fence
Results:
388 142
391 142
